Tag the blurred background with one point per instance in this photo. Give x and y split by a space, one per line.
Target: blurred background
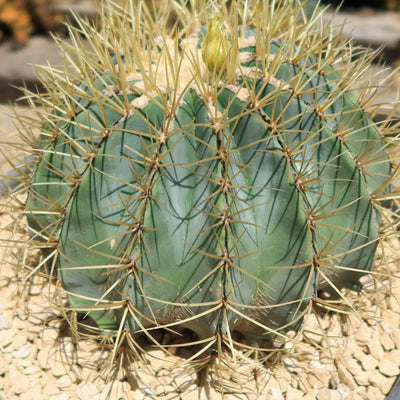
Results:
25 27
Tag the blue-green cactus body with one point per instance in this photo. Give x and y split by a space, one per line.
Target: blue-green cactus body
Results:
215 215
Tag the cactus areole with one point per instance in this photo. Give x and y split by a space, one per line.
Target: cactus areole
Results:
215 177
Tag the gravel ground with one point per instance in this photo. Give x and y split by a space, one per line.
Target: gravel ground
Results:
335 358
357 358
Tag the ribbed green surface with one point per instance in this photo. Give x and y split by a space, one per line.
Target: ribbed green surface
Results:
209 222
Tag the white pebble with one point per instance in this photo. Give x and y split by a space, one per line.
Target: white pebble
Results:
22 352
388 367
63 396
87 390
64 382
328 394
275 394
4 322
32 369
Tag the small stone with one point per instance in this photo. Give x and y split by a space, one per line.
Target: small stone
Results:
114 391
272 382
148 391
354 321
386 341
35 377
6 338
62 396
87 390
2 365
373 393
346 377
86 374
362 378
308 396
328 394
20 385
49 386
35 290
4 322
352 365
376 349
43 357
392 319
50 335
290 363
19 341
312 329
12 305
291 394
394 304
282 376
304 351
354 396
335 328
344 391
32 369
380 381
67 347
34 393
359 393
304 385
47 359
395 335
368 362
351 348
64 381
386 384
22 352
275 394
363 335
58 368
394 356
319 378
388 367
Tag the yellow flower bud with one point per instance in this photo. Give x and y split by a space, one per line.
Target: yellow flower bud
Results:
215 45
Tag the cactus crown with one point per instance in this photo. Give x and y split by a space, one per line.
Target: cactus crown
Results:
213 175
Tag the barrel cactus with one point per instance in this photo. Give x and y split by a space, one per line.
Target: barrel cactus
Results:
216 175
